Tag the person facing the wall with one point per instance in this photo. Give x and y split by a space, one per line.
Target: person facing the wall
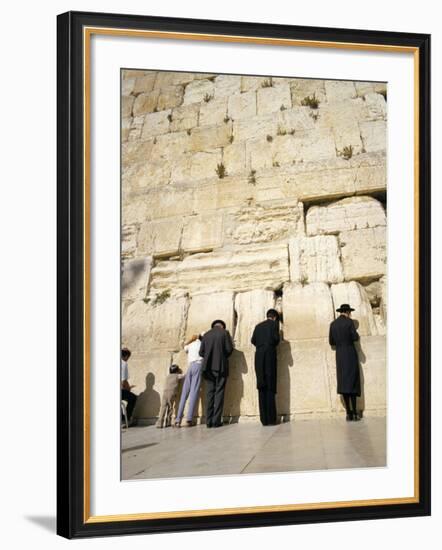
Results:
192 381
265 338
216 348
126 393
343 335
168 399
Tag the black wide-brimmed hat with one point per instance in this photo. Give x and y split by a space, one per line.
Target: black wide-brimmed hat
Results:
344 307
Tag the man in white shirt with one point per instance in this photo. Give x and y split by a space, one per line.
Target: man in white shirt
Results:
126 393
192 381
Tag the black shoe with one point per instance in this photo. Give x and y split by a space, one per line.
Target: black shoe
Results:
356 417
208 425
349 417
219 425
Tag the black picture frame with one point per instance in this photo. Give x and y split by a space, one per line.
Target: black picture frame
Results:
72 520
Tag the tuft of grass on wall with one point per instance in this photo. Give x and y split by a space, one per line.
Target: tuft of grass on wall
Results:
221 171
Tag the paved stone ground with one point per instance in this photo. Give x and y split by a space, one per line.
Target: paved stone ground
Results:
246 448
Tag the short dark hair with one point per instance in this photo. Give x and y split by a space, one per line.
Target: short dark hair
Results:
273 314
218 322
125 354
173 369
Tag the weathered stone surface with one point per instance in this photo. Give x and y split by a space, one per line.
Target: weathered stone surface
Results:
354 294
264 267
303 88
148 371
259 154
234 158
345 215
170 97
271 99
136 128
251 308
308 311
313 145
147 175
184 118
205 308
363 253
126 105
196 91
145 83
255 127
315 259
376 106
298 118
302 377
210 137
160 238
157 324
242 105
213 112
336 90
169 146
343 117
204 164
364 88
374 135
156 124
127 86
202 233
227 85
135 278
265 222
145 103
252 82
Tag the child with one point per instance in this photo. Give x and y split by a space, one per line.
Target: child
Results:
169 395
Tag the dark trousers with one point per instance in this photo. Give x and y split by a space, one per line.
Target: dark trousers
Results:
214 399
131 399
267 406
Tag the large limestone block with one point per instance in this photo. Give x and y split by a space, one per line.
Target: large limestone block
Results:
298 118
315 259
160 238
156 324
148 371
196 91
363 253
354 294
227 85
184 118
155 173
303 385
145 103
204 164
342 117
259 154
144 83
376 106
364 88
234 158
307 311
301 88
265 222
170 97
239 268
202 233
156 124
337 90
136 128
171 78
210 137
271 99
249 83
283 150
345 215
313 145
126 105
242 105
134 152
127 86
241 396
135 278
251 308
374 135
205 308
169 147
213 112
255 127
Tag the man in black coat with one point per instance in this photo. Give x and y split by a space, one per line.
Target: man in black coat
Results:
265 338
343 335
216 347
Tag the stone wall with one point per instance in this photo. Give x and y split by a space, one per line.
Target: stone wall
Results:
244 193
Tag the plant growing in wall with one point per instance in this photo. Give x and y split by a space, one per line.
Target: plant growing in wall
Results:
252 177
266 84
310 101
161 297
221 171
269 138
208 98
347 152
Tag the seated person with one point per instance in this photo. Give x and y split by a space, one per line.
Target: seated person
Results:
126 393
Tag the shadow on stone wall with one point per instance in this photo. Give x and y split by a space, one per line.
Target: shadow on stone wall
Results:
285 361
234 391
362 360
149 400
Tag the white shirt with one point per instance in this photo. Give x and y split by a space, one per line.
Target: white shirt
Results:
192 351
124 371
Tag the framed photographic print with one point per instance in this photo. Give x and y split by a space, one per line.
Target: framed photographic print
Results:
243 274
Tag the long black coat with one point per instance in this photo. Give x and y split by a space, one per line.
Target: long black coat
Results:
216 347
265 338
343 335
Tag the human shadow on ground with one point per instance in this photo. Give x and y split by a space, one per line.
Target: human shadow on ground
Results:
148 402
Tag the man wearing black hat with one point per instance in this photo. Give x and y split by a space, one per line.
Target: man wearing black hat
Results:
343 335
216 347
265 338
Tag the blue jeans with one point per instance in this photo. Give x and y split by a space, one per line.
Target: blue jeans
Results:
191 388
